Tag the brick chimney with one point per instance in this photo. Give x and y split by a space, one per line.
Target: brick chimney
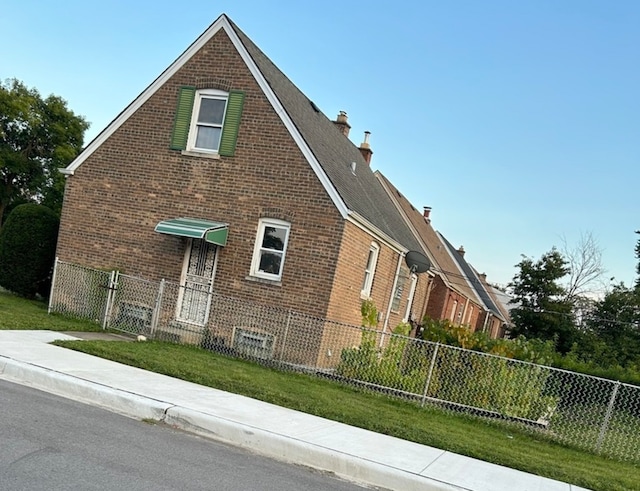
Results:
461 251
342 124
426 213
365 148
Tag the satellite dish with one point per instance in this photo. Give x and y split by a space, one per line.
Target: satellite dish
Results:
417 262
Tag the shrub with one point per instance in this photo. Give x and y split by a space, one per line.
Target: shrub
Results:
27 250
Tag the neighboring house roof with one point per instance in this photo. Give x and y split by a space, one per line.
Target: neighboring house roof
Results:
473 279
430 244
503 302
358 196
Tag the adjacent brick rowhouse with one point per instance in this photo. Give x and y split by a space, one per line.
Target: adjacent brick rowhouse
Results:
133 180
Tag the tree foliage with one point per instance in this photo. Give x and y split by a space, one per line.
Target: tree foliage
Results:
541 308
615 322
637 251
27 250
37 137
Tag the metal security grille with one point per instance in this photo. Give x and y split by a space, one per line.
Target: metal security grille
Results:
587 412
196 291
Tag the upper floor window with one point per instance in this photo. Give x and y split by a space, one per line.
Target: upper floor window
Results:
370 270
270 249
207 121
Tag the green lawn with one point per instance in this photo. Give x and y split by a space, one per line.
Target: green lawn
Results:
19 313
464 435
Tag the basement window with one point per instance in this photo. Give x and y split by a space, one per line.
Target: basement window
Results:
253 343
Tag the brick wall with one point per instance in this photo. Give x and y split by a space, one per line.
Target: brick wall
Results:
346 296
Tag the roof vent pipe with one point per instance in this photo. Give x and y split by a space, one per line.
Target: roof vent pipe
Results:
365 148
353 168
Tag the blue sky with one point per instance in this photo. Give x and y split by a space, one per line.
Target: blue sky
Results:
517 122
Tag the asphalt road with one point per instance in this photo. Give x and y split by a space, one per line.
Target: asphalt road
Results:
51 443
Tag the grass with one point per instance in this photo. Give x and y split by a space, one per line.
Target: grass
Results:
20 313
484 440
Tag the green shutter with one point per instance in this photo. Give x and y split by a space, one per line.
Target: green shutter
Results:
183 118
231 123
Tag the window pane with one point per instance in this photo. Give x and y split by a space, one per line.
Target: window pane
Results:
270 262
211 111
208 137
365 282
370 260
274 238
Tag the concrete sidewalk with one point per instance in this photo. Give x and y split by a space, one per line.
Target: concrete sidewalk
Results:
352 453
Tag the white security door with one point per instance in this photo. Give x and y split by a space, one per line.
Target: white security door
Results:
197 282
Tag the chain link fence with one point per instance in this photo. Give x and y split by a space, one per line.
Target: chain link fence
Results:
595 414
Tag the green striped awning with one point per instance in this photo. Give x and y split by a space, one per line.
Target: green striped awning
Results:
214 232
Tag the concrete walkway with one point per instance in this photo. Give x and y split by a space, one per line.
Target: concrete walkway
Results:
352 453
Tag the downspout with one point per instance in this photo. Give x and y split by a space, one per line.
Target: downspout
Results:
393 291
426 300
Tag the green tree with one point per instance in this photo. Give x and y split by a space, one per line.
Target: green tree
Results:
27 250
37 137
615 321
541 308
637 251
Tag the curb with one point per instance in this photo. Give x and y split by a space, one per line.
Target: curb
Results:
295 451
70 387
260 441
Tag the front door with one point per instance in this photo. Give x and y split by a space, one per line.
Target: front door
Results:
196 283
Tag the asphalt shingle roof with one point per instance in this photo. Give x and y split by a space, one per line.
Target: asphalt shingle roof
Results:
443 263
362 193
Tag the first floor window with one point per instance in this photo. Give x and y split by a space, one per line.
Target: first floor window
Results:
270 249
370 270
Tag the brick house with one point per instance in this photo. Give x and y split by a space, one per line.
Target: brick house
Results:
455 291
492 319
223 176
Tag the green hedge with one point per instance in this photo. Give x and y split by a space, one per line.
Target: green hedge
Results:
27 250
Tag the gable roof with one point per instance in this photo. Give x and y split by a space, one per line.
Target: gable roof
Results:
473 279
357 196
502 300
360 190
430 244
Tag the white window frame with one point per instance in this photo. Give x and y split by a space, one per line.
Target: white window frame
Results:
370 270
193 128
259 249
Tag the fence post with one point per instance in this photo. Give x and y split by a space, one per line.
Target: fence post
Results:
53 284
113 284
155 317
428 382
607 416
